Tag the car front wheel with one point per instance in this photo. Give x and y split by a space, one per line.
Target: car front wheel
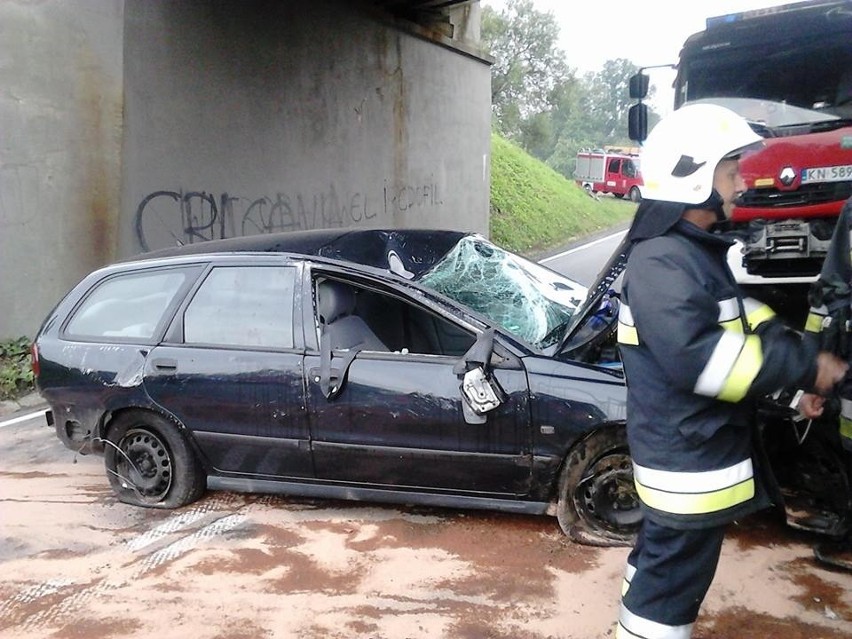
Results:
597 502
149 462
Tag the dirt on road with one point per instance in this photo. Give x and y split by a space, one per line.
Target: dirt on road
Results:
75 563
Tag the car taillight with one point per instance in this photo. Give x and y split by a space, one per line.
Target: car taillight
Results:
34 360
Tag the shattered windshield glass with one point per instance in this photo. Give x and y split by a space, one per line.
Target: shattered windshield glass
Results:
529 301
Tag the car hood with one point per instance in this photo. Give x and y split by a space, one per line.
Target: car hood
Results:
598 302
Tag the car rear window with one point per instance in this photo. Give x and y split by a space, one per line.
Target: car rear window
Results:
243 306
129 305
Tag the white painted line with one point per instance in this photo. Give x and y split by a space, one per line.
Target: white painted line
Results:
185 544
23 418
583 247
172 524
78 600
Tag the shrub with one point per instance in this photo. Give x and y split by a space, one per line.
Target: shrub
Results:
16 375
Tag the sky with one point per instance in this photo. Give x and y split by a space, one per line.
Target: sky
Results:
646 32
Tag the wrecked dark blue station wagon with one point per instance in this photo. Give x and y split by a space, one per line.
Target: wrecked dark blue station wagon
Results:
408 366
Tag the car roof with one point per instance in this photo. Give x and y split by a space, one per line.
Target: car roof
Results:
417 249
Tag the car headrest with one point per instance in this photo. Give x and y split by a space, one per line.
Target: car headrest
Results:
336 300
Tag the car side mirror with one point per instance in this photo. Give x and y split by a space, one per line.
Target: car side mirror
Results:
480 392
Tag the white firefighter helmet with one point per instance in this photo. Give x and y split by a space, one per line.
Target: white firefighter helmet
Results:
680 155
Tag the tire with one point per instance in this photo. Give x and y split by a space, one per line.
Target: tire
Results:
149 462
635 194
597 501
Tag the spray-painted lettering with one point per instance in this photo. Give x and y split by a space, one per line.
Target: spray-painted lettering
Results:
169 218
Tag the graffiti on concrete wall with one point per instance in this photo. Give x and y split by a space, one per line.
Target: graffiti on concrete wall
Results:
409 197
169 218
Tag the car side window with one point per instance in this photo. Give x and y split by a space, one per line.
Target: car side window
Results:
394 324
243 306
129 305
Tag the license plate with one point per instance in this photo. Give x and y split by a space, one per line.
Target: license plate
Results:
827 174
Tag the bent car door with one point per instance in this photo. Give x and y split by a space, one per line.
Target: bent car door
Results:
230 369
385 405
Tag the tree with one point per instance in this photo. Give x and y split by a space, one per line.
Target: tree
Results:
608 100
537 100
595 115
541 133
528 65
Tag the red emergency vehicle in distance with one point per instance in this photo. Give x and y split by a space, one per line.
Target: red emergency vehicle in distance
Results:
609 171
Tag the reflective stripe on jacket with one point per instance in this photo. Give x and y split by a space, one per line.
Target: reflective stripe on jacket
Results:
692 493
693 350
846 423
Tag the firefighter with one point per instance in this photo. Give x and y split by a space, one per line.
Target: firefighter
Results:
829 324
830 318
696 356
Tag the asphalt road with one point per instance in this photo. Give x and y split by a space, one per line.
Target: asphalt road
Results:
582 262
74 562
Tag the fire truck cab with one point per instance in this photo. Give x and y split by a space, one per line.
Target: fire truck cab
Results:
788 71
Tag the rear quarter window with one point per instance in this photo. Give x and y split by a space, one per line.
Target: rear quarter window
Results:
129 305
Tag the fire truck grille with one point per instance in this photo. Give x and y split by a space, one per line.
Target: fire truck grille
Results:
803 196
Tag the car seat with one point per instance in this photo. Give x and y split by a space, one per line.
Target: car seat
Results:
344 329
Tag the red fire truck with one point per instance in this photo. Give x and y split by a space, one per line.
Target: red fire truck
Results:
788 71
607 171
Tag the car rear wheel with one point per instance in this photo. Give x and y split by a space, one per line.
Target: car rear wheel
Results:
597 501
149 462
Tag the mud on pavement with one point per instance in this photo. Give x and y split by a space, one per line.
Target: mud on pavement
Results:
76 563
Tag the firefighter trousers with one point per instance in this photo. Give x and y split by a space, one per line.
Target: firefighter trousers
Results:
668 574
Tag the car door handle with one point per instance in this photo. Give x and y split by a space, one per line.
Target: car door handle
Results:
163 364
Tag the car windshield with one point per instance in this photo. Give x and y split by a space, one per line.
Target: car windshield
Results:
529 301
769 113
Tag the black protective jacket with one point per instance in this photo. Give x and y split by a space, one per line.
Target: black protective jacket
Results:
830 317
696 356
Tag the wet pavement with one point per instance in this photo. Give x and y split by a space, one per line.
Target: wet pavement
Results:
74 562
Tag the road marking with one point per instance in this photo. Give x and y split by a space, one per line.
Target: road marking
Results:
23 418
28 595
185 544
119 577
173 524
583 247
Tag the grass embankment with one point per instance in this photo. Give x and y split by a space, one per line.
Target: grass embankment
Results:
534 208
